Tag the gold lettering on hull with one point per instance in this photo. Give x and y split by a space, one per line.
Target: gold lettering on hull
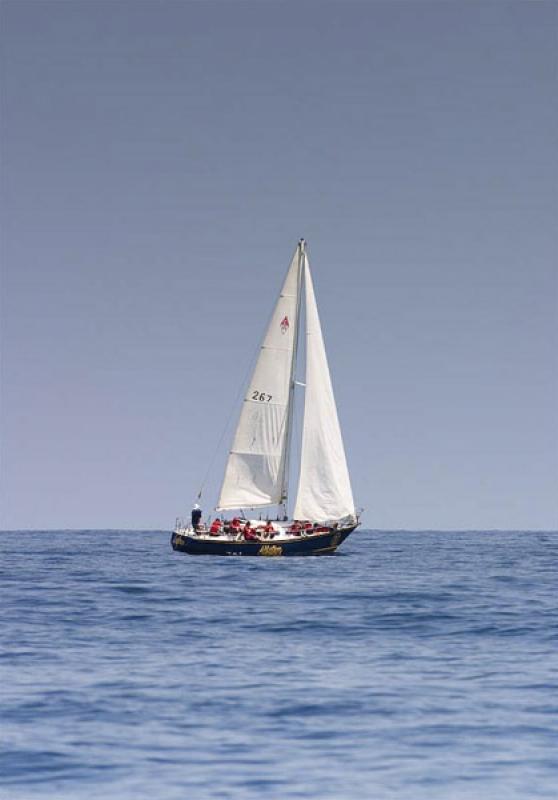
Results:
270 550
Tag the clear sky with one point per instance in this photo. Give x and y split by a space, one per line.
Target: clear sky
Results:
160 161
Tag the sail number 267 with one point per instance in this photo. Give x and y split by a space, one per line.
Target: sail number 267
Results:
261 396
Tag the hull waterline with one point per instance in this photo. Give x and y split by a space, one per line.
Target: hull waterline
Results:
315 545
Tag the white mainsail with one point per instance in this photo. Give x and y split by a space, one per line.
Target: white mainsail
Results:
254 475
324 489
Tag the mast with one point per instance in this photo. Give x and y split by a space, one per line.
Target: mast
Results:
290 408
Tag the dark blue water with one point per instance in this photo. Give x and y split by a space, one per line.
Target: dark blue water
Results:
411 665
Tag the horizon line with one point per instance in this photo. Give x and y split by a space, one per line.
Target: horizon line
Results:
362 530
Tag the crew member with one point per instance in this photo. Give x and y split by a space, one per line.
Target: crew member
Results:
295 529
215 528
249 534
196 516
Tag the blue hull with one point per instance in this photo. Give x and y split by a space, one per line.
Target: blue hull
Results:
318 545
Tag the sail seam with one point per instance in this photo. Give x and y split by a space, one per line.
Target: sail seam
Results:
264 404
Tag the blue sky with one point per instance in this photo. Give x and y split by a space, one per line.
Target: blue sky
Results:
161 160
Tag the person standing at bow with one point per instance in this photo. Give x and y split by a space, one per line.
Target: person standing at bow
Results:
196 516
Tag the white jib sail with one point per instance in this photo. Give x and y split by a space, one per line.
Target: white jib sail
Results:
254 471
324 489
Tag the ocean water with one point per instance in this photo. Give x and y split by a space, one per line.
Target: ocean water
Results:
409 666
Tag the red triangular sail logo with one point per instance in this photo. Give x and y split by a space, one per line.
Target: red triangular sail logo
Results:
284 325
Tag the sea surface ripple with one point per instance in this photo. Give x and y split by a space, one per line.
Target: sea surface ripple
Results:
409 666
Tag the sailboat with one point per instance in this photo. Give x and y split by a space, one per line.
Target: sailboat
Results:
257 468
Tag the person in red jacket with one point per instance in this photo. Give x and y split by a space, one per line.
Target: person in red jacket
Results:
269 530
215 528
295 529
249 533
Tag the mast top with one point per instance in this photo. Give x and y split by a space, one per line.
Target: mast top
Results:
302 244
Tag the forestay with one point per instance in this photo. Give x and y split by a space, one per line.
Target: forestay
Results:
324 490
254 471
